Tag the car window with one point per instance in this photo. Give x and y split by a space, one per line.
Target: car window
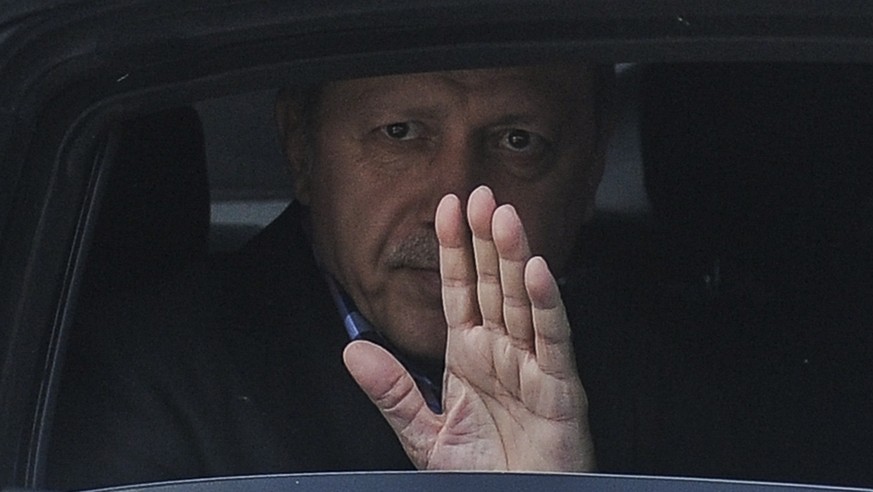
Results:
178 285
250 183
747 283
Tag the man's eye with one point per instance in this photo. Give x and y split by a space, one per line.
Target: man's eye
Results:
516 140
406 130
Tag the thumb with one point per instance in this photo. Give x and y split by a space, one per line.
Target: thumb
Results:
391 388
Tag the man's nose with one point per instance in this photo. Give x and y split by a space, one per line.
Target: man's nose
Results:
455 168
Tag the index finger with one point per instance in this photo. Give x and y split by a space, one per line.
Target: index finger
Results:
457 271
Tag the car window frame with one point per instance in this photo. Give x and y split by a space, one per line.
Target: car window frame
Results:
75 76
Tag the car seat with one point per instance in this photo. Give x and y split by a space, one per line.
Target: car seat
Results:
153 217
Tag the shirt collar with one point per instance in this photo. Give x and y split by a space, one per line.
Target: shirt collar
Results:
359 328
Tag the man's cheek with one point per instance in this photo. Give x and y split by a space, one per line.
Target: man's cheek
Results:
550 235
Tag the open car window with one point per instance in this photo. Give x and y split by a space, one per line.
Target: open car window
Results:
747 274
719 296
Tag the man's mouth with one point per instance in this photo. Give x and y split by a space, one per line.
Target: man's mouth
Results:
426 272
426 281
417 258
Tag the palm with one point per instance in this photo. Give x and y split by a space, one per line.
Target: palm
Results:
512 398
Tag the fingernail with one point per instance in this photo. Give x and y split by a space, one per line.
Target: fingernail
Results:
482 189
511 209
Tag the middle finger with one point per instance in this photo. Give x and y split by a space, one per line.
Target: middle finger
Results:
480 208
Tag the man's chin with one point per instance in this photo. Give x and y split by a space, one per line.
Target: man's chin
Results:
422 338
431 350
412 315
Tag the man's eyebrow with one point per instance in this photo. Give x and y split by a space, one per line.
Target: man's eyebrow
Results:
403 112
520 118
541 119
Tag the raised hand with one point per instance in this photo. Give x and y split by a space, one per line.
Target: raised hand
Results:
512 398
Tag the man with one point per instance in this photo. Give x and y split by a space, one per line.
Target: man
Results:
431 203
386 151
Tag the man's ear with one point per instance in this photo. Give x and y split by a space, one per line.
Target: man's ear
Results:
292 121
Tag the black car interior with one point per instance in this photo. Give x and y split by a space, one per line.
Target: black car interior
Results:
154 213
754 264
760 178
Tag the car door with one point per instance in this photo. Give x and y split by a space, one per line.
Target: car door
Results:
74 74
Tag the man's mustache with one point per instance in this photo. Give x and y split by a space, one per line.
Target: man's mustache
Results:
420 251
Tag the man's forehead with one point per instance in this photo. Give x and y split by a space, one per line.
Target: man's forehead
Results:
541 80
535 76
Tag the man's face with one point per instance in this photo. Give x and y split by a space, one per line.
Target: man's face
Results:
385 150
